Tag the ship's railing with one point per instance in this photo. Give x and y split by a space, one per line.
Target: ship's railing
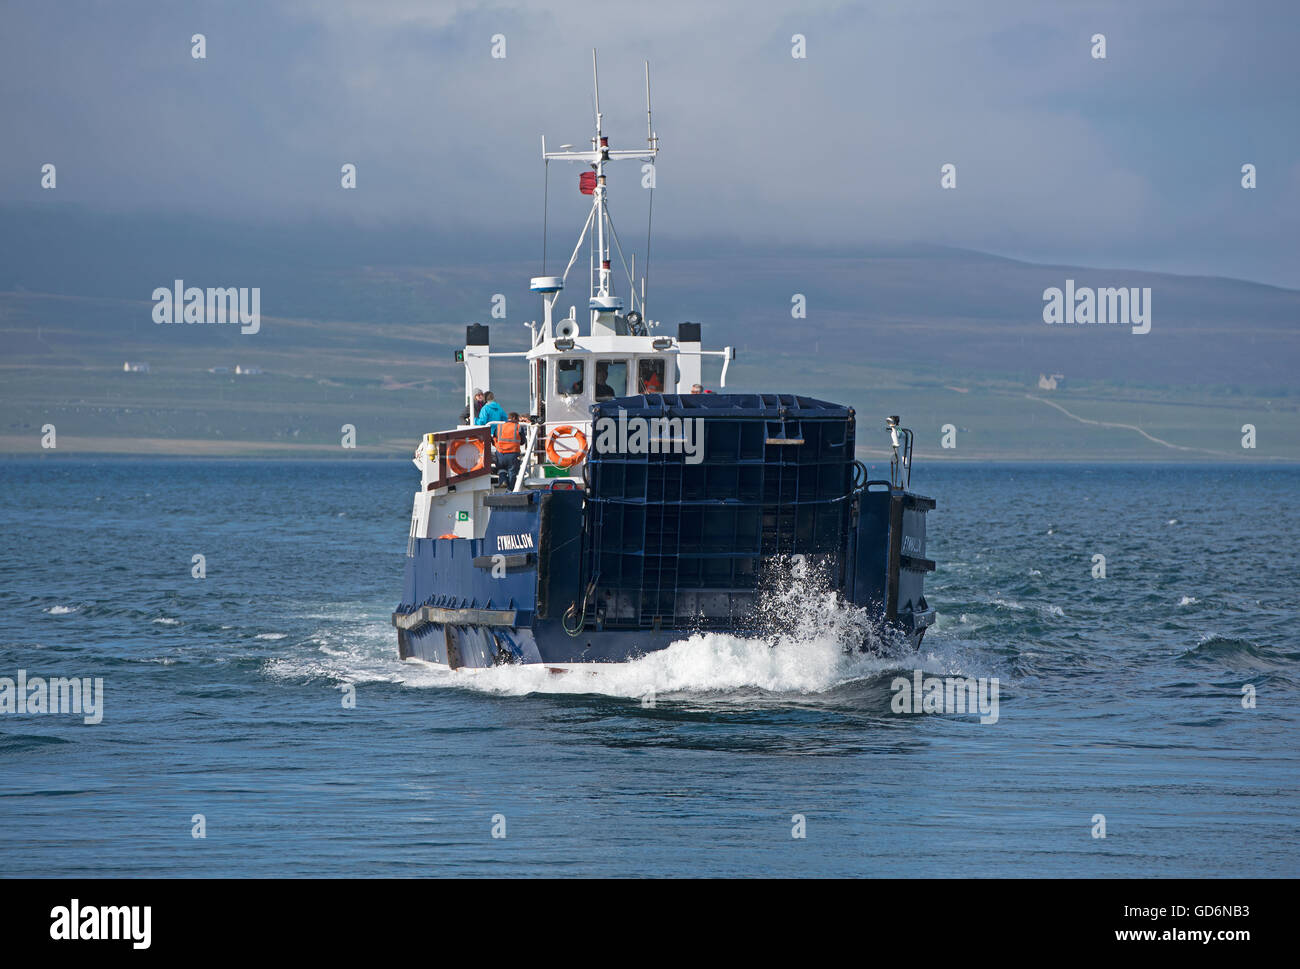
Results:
534 461
526 458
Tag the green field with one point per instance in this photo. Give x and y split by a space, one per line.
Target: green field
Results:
947 338
180 409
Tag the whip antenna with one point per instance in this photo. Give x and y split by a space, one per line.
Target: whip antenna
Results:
595 79
651 143
546 199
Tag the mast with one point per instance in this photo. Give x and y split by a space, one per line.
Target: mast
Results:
652 142
601 145
604 305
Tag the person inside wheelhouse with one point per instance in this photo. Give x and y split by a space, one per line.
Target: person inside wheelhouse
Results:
611 379
650 377
568 376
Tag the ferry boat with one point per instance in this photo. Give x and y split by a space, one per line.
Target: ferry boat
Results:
638 509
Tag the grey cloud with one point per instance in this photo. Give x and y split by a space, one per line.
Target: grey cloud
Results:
1133 160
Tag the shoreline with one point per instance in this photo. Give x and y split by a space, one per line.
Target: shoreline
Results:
158 449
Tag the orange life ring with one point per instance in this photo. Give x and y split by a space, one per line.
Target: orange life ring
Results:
461 461
571 457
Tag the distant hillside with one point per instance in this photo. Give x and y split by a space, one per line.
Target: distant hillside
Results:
359 325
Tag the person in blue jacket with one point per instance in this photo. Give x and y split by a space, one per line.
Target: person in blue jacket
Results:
491 412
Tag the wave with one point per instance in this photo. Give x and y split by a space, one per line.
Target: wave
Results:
807 647
1212 644
18 743
701 664
1236 654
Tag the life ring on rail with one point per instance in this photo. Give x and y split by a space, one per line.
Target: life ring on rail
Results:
566 446
466 455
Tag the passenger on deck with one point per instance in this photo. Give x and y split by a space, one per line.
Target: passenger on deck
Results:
507 438
490 412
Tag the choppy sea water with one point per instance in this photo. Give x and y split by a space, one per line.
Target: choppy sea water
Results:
223 696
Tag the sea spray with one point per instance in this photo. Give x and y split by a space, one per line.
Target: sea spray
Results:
808 642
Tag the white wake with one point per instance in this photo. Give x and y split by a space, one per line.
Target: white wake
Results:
809 646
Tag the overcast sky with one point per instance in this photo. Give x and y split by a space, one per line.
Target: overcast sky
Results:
1130 161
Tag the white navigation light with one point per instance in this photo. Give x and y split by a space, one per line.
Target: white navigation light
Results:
663 343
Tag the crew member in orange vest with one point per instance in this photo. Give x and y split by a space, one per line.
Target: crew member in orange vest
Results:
651 382
507 439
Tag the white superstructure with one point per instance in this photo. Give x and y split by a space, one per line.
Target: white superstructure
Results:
619 355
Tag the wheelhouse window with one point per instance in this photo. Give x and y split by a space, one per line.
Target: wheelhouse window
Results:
650 377
568 377
611 379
